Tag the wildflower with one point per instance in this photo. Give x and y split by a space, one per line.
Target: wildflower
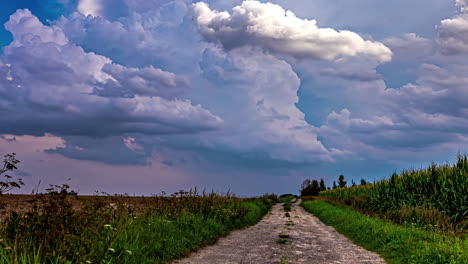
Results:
129 252
111 250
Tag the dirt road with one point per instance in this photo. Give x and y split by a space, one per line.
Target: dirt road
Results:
310 241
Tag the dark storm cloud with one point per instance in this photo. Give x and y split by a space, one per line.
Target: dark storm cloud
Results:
50 85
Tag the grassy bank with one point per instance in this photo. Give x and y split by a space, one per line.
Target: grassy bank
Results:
109 230
395 243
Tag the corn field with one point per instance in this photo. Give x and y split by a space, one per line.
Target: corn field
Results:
442 188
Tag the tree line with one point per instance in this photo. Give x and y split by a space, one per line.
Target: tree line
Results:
314 187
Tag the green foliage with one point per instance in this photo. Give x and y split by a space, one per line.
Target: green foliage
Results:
105 229
395 243
312 187
363 181
281 241
287 198
341 181
287 207
283 260
323 187
440 191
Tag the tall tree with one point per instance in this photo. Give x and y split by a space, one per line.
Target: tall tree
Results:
363 182
323 187
310 188
341 181
353 183
334 185
305 186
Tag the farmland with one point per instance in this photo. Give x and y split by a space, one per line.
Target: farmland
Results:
418 216
119 229
435 197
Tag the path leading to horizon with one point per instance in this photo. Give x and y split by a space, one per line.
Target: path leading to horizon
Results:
310 241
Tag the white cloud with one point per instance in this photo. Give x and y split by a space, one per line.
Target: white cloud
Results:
410 46
272 28
261 115
462 4
90 7
453 35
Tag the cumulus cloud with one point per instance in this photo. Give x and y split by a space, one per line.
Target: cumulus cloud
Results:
453 32
262 116
160 37
272 28
51 85
462 4
453 35
410 46
128 82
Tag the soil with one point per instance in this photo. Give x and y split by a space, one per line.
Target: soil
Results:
310 241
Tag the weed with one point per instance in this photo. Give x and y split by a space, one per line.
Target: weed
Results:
281 241
283 260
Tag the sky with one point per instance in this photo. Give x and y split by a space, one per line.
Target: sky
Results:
253 97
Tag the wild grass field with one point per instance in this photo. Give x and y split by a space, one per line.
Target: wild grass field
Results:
118 229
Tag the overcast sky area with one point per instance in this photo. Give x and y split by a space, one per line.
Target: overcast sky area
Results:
144 96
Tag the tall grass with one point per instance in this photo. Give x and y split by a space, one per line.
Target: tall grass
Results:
61 229
437 194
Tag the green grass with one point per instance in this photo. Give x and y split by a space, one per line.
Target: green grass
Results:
287 199
168 228
283 260
287 207
281 241
395 243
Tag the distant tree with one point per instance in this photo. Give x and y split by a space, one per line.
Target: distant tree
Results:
63 189
353 183
363 182
341 181
334 185
9 164
310 188
323 187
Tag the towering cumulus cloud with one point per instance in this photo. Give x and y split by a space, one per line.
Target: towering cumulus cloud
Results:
274 29
48 84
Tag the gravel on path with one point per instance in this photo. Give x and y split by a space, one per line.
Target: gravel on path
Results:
309 241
